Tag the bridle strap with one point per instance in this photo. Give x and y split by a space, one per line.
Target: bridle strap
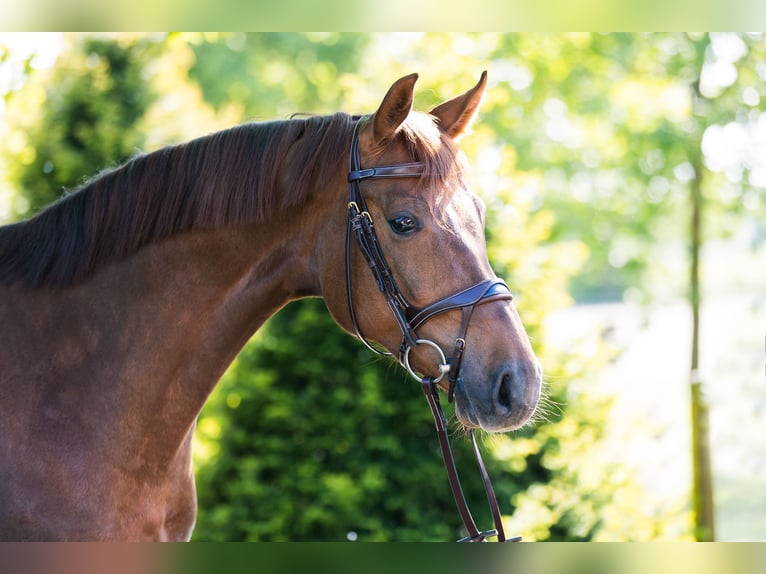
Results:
361 226
483 292
474 534
409 318
414 169
491 498
432 397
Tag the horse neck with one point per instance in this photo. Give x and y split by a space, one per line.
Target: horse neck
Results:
141 344
221 289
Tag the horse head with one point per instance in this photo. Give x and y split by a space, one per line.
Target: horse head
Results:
432 298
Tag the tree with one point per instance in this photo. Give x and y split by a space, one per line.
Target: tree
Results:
90 108
618 171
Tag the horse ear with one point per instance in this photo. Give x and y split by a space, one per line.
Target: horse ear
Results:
394 109
457 114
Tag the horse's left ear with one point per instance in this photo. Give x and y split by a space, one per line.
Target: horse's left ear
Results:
456 115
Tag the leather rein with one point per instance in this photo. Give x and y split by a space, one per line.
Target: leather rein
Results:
409 318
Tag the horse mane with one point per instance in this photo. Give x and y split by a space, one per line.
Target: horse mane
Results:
231 177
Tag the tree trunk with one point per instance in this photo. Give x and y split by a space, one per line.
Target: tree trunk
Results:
704 529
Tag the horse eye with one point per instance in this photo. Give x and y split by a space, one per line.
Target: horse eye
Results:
403 224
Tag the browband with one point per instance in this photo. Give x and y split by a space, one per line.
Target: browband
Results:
414 169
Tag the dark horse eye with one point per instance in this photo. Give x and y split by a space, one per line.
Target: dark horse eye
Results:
403 224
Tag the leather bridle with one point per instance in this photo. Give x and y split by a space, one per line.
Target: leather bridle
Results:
409 318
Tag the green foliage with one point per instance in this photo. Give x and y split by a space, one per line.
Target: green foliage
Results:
89 109
316 440
308 438
277 74
609 123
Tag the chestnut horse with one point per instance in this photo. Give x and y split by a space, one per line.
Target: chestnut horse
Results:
122 304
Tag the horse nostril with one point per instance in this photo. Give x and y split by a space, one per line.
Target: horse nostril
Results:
504 392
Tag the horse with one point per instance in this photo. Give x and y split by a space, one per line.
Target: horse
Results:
122 304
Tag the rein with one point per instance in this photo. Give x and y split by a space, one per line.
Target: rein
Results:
409 318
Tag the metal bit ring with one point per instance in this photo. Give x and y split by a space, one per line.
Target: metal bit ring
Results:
443 365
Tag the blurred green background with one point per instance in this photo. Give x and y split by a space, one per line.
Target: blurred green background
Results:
588 150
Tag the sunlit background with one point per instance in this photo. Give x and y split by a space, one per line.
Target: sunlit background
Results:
587 149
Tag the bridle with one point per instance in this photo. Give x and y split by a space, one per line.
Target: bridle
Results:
409 318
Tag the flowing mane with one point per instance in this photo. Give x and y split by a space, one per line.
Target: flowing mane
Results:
231 177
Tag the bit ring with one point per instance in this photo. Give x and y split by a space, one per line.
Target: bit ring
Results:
443 365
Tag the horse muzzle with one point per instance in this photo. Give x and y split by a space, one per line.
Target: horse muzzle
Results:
502 402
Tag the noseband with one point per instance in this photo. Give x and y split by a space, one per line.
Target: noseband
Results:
409 318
